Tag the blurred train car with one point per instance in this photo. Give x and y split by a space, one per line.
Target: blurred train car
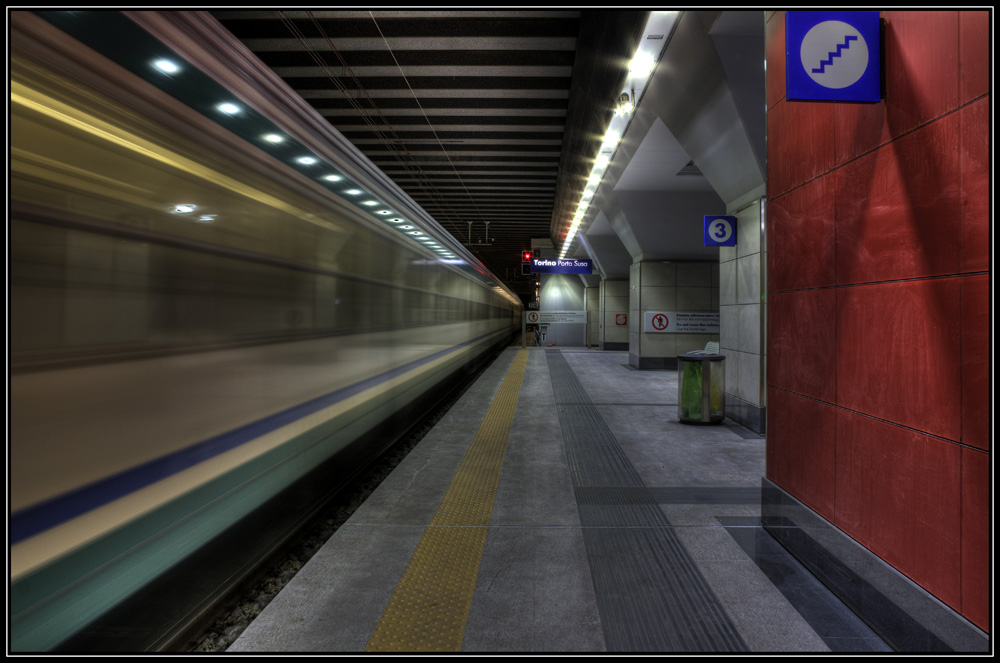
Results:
211 292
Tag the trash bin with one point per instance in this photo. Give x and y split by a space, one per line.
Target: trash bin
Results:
701 387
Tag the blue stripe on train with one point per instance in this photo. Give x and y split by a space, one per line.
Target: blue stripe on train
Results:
38 518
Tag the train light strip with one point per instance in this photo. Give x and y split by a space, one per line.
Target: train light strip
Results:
430 605
34 100
163 68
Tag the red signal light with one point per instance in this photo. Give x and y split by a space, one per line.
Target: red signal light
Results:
526 256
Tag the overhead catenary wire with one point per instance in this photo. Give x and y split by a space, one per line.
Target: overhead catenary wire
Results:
394 143
429 123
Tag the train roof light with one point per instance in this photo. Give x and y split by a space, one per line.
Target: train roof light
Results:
167 66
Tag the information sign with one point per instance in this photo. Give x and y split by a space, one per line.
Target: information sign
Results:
554 317
683 322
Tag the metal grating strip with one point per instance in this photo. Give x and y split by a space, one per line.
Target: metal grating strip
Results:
650 594
706 495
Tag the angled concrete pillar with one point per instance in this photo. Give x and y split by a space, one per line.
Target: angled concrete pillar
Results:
592 301
660 286
743 318
615 302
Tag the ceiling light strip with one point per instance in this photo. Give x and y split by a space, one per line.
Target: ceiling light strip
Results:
656 34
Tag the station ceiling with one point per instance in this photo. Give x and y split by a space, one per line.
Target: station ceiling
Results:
490 120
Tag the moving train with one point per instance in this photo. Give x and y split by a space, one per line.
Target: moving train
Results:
211 293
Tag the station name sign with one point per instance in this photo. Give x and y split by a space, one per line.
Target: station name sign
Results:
561 266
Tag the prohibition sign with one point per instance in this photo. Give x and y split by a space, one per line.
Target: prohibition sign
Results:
660 321
533 316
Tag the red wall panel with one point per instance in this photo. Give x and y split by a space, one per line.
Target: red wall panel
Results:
801 337
974 54
975 182
898 208
921 67
801 133
976 537
976 361
801 237
897 353
801 452
898 493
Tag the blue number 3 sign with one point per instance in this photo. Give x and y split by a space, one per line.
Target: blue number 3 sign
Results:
720 231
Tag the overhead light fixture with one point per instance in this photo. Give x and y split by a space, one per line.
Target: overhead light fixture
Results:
612 137
307 161
626 103
641 65
228 108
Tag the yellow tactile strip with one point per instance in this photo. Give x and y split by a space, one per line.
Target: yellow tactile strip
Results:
430 605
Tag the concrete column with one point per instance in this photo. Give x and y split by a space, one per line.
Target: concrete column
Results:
742 273
614 301
592 300
669 287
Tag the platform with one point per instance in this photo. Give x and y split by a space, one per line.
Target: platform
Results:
560 506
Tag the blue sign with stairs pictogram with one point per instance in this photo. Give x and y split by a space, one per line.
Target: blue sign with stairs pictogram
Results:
833 56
